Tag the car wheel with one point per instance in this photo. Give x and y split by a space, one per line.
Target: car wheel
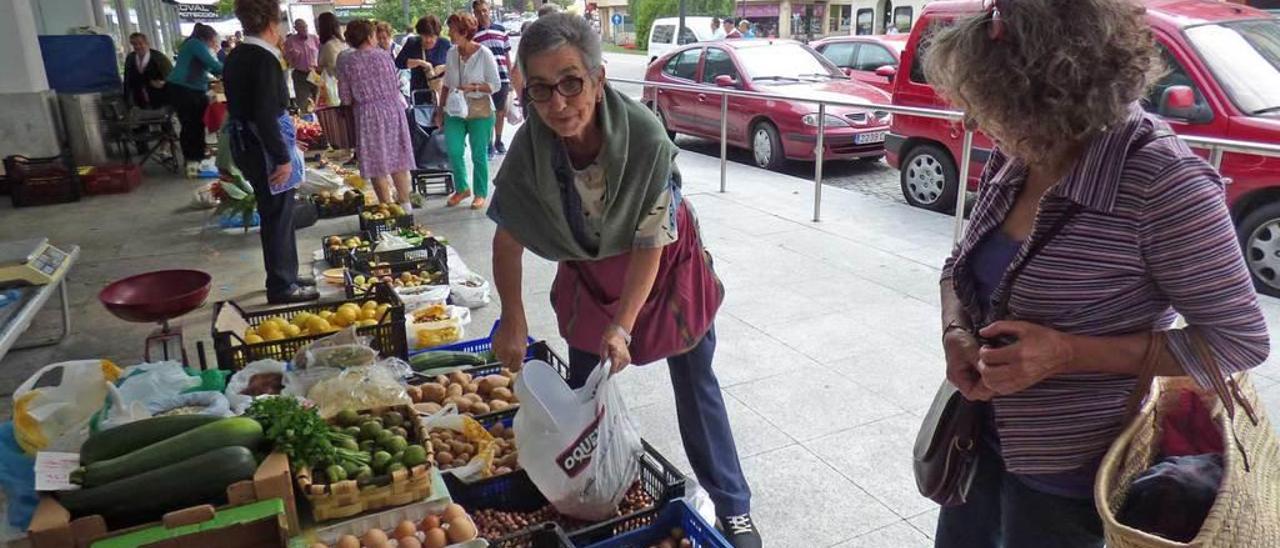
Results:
929 178
662 117
1260 241
766 146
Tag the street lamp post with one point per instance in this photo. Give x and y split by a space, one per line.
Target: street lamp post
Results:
680 31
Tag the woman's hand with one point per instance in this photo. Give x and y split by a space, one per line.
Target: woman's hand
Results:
157 84
416 63
961 349
614 346
1038 353
510 342
280 175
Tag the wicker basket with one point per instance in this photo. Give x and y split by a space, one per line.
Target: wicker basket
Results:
347 498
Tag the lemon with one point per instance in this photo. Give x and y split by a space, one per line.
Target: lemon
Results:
273 336
382 308
252 339
368 322
326 314
275 322
346 316
369 314
292 330
301 319
369 304
317 324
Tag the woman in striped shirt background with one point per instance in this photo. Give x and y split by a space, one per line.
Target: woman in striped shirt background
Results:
1056 83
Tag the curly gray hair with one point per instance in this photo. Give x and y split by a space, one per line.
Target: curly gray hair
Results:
1063 71
552 31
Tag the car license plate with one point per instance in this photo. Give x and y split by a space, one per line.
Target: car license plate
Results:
868 138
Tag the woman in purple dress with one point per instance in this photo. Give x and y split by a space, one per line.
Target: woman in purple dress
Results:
367 79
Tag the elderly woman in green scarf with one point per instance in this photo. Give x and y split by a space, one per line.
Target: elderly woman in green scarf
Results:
591 183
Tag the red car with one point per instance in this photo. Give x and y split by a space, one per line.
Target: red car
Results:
774 131
871 59
1223 82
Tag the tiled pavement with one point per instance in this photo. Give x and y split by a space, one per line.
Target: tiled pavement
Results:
828 347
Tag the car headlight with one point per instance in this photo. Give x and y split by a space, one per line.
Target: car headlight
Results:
832 120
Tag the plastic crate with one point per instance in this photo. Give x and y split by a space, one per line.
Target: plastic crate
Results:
388 337
432 183
538 350
480 346
515 492
545 535
41 181
435 266
339 209
661 521
378 226
341 258
111 179
430 248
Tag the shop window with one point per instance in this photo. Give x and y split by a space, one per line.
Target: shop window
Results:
840 18
718 63
902 17
866 22
871 57
684 65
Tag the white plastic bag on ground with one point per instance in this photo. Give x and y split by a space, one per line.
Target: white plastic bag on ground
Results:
579 447
470 290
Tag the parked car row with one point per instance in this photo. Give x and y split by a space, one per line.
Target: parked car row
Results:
1223 81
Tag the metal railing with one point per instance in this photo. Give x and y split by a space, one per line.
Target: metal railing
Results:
1216 147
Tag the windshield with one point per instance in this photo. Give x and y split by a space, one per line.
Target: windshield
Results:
786 62
1245 58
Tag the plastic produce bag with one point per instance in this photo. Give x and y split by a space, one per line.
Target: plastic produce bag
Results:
469 290
346 336
579 447
456 104
481 464
430 334
342 356
140 387
392 242
243 380
415 298
358 388
193 403
57 418
514 115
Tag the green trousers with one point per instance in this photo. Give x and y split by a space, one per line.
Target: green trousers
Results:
458 132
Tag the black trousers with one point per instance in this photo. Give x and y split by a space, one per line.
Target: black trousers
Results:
303 89
279 242
190 105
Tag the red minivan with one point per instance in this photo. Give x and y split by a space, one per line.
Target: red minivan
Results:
1223 81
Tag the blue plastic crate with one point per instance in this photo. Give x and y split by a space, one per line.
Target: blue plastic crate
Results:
676 514
475 346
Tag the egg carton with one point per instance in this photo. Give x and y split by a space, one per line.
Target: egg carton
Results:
387 520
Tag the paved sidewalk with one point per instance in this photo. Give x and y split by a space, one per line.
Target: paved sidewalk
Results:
828 349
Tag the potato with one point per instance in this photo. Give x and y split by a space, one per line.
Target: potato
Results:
497 429
464 405
460 377
444 458
473 398
502 393
458 447
454 390
415 393
498 405
473 387
491 382
433 392
480 408
429 408
441 380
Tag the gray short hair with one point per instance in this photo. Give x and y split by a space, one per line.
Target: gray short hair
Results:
556 30
548 9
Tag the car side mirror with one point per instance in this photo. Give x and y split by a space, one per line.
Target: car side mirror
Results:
1180 102
887 72
726 81
848 71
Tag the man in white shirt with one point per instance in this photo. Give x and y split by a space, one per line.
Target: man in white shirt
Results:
717 32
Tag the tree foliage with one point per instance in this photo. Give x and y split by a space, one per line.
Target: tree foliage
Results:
392 12
643 12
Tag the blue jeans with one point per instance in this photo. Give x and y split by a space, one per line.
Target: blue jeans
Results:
704 423
1004 512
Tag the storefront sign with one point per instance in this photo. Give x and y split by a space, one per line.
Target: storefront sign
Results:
197 12
758 10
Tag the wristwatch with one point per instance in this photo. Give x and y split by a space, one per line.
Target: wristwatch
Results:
621 331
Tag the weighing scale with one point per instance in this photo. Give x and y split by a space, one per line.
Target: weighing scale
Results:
31 262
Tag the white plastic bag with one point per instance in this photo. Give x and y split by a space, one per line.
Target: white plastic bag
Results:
239 382
422 296
456 104
479 466
57 418
514 115
142 386
469 290
331 91
438 333
579 447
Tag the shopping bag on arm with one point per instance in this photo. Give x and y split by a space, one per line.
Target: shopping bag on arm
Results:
56 418
579 447
456 104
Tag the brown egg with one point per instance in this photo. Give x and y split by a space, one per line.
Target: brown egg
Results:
452 513
409 542
375 537
461 530
405 529
429 523
435 539
348 541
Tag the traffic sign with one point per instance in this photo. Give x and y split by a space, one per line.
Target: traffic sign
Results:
617 19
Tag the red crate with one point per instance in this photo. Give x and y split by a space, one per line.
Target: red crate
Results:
112 179
40 181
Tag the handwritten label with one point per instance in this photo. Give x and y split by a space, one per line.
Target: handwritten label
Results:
53 470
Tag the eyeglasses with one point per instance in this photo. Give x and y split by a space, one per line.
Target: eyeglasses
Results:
568 87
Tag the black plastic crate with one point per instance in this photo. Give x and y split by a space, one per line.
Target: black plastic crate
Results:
432 183
430 248
388 337
515 492
41 181
436 267
658 525
343 257
545 535
339 209
376 227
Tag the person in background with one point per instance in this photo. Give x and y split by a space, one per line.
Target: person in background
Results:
223 49
1097 185
331 43
302 52
382 32
237 38
744 27
471 69
261 135
494 37
425 56
188 91
592 183
145 70
730 30
717 29
367 79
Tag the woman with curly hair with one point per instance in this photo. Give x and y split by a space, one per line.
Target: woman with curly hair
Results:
1094 227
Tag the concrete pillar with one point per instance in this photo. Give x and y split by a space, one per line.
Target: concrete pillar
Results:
28 109
20 49
784 19
122 14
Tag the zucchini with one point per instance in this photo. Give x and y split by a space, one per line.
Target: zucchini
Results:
109 444
234 431
148 496
444 358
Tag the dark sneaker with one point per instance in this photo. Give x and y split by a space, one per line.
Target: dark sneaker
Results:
493 151
741 531
501 148
305 280
297 294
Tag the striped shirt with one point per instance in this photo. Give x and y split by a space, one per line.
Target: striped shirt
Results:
1153 239
495 38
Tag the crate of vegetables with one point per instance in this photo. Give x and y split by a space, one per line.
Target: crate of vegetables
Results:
337 204
361 279
677 525
241 336
427 247
388 463
338 249
436 523
380 218
471 381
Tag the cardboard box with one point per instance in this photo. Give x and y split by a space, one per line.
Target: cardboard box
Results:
230 525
